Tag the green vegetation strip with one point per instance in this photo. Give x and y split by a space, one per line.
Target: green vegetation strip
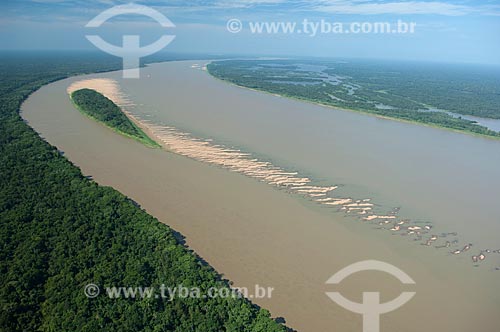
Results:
61 231
364 85
102 109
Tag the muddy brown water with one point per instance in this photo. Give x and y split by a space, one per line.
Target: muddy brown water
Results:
256 234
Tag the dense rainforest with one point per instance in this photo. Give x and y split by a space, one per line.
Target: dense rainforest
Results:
61 231
396 90
100 108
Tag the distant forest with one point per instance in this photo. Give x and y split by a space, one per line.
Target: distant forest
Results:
60 231
391 89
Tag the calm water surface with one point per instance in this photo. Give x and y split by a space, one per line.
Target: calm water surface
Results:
254 234
450 179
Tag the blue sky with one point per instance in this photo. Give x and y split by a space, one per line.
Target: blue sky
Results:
451 31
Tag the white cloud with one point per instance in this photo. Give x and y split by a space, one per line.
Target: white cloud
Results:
48 1
410 7
352 7
244 3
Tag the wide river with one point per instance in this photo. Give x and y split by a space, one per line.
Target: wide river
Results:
256 234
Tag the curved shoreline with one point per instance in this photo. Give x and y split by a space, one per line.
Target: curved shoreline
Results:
291 181
384 117
262 235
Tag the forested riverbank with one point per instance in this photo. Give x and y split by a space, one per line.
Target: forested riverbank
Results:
61 231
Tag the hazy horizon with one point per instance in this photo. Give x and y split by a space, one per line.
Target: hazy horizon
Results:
164 56
458 31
